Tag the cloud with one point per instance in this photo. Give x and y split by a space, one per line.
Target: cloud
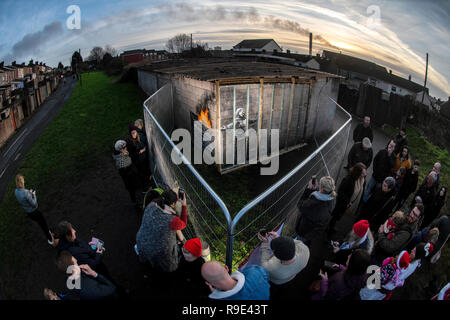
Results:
32 43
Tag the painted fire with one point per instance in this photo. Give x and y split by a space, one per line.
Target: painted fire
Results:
204 118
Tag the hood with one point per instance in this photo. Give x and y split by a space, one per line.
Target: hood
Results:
219 294
321 196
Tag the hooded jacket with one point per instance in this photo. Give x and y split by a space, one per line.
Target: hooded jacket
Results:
315 214
358 154
391 247
82 251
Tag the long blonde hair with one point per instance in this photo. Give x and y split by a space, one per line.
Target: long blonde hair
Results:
20 181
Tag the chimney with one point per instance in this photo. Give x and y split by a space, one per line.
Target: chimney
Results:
409 78
390 71
288 51
310 43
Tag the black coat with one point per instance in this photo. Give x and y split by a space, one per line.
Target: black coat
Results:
82 251
99 288
361 132
358 154
344 194
385 247
409 185
133 147
382 165
400 142
314 217
378 207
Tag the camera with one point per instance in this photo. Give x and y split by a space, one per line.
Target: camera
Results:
263 232
180 193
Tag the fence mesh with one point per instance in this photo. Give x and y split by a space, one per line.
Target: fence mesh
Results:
206 218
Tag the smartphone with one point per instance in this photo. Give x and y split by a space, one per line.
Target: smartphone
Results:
97 244
330 265
181 193
263 232
314 179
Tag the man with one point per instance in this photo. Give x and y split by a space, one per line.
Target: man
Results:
139 124
360 152
409 185
91 285
363 130
390 246
427 191
437 169
315 211
289 257
250 284
400 141
382 165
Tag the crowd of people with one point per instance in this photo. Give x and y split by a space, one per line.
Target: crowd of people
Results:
394 235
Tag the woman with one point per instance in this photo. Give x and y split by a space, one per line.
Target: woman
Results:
402 160
346 283
126 168
156 240
360 237
139 156
349 194
380 204
28 200
438 203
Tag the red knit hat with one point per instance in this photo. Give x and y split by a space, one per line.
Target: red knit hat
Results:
194 246
403 260
361 227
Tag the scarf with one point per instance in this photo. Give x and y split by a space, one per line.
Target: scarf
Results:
356 196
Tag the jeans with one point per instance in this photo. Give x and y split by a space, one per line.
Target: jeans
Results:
37 216
370 186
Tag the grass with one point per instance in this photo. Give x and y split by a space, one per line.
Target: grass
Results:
429 154
80 136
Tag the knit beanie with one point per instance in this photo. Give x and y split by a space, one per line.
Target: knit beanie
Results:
283 248
194 246
403 260
361 227
366 143
390 182
423 250
119 145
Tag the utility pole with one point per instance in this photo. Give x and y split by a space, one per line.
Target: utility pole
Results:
425 83
191 41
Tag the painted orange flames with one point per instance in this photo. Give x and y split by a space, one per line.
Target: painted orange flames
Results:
203 117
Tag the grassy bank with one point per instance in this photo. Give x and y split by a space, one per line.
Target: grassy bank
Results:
94 117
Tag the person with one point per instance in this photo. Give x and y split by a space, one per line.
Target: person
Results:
315 211
188 274
409 184
290 256
139 156
252 283
392 224
427 192
156 240
363 130
444 294
390 277
400 141
383 163
349 194
399 180
435 207
348 281
390 246
402 160
437 170
127 170
28 200
427 235
419 252
92 285
360 152
139 124
443 224
380 204
360 237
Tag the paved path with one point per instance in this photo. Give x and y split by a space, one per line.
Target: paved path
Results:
23 139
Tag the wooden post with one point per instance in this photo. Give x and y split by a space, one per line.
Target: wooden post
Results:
261 100
291 105
425 83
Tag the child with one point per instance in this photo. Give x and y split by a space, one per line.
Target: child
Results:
391 270
393 223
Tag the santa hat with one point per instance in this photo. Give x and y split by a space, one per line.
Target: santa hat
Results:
361 228
389 225
444 294
403 260
194 246
423 250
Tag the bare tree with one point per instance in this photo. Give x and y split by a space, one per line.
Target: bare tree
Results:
112 51
179 43
96 54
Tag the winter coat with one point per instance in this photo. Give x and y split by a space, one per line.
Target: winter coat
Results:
189 278
142 136
382 165
98 288
26 199
386 247
409 185
427 194
378 207
344 195
252 284
315 214
342 286
443 224
127 170
358 154
401 162
367 245
156 239
400 142
361 132
133 147
82 251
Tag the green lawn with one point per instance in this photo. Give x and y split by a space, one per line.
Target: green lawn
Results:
73 142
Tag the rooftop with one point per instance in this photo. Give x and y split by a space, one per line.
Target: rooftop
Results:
253 43
235 70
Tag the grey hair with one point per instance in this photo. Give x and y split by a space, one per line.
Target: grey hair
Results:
390 182
139 122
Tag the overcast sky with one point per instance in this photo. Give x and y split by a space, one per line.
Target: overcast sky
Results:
396 33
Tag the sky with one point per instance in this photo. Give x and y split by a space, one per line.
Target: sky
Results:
396 34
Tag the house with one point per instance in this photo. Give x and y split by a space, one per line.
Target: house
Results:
258 45
132 56
445 109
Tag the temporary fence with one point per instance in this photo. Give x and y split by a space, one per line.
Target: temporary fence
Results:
209 218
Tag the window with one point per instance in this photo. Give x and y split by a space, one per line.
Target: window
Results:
393 89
